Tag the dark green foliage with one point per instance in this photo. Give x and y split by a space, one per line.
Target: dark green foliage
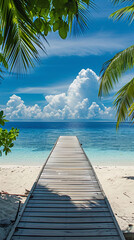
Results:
6 137
124 102
25 23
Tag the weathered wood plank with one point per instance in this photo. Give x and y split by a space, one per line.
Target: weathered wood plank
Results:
65 197
65 164
70 177
89 203
48 219
64 238
54 193
60 190
66 225
67 182
57 171
64 205
75 233
67 186
67 214
62 155
62 209
69 168
65 175
66 159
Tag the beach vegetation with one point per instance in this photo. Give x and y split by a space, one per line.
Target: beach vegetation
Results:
25 24
113 69
6 137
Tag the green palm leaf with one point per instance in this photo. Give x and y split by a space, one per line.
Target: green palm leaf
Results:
113 69
124 13
131 112
115 2
20 41
3 65
125 98
81 20
22 22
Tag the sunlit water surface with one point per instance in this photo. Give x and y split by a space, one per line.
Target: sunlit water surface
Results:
102 144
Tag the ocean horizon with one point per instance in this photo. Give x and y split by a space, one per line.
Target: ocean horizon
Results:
100 140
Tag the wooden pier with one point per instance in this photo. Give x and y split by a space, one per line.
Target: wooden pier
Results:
67 201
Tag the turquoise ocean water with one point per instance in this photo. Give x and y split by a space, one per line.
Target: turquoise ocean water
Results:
101 142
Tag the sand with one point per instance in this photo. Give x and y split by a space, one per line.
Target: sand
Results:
14 180
118 185
117 182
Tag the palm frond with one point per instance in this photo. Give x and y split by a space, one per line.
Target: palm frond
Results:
20 41
3 61
113 69
80 21
131 112
125 97
3 65
126 13
115 2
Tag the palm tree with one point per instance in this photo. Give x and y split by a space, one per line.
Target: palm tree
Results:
25 23
113 69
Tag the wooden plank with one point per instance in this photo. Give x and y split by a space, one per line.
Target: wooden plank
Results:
68 150
69 233
61 161
71 173
72 168
64 196
69 193
67 214
63 164
62 155
66 225
96 203
67 182
65 209
66 187
63 189
67 145
69 177
48 219
64 238
69 197
64 205
70 159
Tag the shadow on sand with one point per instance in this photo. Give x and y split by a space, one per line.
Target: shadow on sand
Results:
8 212
129 177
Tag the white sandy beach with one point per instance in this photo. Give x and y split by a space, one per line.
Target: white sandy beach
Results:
117 182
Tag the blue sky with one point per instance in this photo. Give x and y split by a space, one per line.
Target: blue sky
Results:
44 93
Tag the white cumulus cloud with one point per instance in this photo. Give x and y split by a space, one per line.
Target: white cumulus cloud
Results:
79 102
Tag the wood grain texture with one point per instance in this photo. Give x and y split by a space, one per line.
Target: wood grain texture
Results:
65 238
70 233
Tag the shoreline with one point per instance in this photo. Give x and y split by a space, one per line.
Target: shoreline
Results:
117 183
